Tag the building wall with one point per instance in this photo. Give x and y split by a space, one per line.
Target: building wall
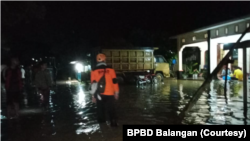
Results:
214 48
225 34
227 39
227 30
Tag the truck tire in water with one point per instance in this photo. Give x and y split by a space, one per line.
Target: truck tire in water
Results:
159 78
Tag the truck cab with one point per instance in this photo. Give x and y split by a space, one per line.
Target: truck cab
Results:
161 67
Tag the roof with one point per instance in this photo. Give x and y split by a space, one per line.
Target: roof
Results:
241 19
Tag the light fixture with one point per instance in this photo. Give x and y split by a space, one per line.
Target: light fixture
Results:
205 35
79 67
236 28
194 38
73 62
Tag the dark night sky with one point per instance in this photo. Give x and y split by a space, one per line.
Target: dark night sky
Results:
121 17
79 23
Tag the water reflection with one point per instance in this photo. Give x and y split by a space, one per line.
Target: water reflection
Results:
87 123
81 97
3 102
72 112
48 123
219 108
88 129
48 126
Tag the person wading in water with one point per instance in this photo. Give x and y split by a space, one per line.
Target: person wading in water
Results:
13 86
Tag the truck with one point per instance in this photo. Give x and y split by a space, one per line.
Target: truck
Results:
132 62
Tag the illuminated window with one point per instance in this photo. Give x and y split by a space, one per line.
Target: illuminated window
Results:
226 30
236 28
217 32
194 38
247 25
183 40
205 35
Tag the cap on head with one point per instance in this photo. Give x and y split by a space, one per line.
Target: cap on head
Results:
100 57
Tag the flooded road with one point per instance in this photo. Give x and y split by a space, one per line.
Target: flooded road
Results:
212 108
72 115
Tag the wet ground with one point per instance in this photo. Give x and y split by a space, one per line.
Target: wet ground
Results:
212 108
72 115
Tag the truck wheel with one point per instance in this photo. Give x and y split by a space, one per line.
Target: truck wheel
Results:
159 77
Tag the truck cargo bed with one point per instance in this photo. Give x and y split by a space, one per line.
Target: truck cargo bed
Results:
130 59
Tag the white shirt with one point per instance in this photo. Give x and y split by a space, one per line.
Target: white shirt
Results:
23 73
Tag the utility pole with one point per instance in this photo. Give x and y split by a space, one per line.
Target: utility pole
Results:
208 53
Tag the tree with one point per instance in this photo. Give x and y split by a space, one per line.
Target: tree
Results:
167 48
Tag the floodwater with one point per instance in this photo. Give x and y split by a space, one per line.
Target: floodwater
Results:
212 108
72 115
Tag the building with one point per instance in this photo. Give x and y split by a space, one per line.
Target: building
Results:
213 40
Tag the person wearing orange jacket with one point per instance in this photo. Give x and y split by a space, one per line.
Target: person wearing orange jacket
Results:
105 90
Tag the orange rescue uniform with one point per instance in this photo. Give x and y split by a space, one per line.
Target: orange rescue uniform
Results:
110 77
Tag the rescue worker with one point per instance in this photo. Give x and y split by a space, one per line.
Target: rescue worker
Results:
105 99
